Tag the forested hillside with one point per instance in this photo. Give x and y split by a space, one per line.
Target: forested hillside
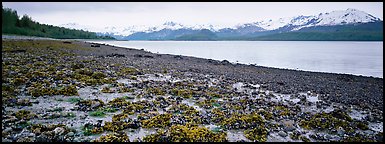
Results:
13 24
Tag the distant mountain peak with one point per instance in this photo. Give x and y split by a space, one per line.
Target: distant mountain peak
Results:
170 23
337 17
352 9
348 16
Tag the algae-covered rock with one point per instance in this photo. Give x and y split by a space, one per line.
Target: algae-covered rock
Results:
114 137
189 133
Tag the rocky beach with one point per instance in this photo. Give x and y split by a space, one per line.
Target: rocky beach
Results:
75 91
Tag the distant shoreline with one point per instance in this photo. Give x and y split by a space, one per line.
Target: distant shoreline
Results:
19 37
102 42
9 36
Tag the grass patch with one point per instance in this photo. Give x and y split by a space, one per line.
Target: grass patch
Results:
74 100
87 130
110 110
216 104
24 124
70 115
58 109
128 97
97 113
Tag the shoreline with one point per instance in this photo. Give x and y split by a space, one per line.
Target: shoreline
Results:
74 85
235 63
281 74
15 37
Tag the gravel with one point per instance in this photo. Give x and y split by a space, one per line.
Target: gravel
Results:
341 88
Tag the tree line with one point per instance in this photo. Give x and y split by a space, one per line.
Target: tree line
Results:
13 24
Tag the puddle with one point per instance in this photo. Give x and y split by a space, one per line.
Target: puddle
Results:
125 81
213 82
139 133
275 137
211 126
94 93
238 86
328 109
236 135
357 115
154 77
378 127
284 98
312 99
189 102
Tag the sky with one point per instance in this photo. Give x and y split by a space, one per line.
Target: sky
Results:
103 14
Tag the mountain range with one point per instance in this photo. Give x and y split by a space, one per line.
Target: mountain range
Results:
349 24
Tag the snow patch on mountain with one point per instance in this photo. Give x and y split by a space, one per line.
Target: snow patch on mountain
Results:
339 17
345 17
273 24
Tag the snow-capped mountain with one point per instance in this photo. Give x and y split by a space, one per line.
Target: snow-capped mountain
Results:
339 17
348 16
125 31
78 26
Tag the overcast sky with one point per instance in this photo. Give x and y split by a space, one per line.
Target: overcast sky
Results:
100 14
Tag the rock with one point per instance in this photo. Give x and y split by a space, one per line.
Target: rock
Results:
11 120
288 125
24 133
7 130
370 118
59 131
328 137
96 104
70 134
225 62
36 131
31 135
5 140
282 134
340 131
77 139
116 55
82 116
23 102
26 139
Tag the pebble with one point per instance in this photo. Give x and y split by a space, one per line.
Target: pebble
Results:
59 131
77 139
282 134
82 116
340 131
31 135
70 134
5 140
328 137
7 130
288 125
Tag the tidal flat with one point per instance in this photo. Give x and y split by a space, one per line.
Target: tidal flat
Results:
70 91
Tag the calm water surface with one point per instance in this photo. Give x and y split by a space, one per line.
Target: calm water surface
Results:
358 58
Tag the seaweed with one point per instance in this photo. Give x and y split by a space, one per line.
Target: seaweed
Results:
24 114
186 133
257 134
114 137
162 120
